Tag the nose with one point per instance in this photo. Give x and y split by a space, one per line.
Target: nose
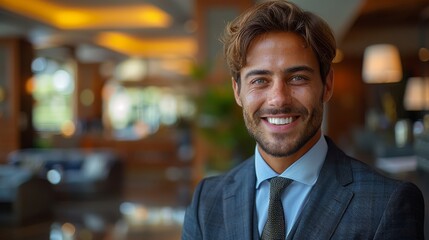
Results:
279 95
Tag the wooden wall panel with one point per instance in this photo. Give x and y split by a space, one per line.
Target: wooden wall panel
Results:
16 129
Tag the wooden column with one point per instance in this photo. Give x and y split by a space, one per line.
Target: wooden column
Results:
16 102
89 84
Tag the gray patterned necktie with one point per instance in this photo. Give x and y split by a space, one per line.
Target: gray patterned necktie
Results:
274 229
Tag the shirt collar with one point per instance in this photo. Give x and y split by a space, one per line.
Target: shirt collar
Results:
305 170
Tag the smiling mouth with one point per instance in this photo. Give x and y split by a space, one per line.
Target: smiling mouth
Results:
280 121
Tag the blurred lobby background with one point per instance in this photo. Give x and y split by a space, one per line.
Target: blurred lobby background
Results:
112 111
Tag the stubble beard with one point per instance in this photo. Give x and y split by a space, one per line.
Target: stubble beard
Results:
282 145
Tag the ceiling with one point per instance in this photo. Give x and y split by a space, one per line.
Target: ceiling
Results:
115 29
356 23
404 23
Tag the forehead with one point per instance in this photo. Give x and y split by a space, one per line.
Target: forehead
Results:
290 39
279 48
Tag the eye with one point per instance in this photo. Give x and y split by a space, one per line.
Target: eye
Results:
298 79
258 81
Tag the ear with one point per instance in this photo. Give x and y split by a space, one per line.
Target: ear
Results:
236 89
329 86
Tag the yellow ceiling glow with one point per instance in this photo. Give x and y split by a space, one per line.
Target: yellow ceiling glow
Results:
153 16
63 17
71 19
156 47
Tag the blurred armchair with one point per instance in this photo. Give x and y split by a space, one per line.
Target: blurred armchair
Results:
23 197
74 173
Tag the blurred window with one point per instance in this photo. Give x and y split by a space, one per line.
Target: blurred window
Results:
54 85
136 112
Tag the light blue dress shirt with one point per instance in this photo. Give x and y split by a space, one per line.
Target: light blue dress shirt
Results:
304 174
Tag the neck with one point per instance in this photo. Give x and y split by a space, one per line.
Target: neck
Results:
280 164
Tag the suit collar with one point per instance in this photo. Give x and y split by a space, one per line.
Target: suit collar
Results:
328 200
239 201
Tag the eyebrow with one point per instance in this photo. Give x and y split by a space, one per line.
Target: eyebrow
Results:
301 68
257 72
286 71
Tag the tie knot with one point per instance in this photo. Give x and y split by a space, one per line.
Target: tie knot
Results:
278 184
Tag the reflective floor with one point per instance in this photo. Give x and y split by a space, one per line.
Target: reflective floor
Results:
150 207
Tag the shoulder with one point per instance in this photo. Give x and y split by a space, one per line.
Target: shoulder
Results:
214 184
350 170
369 182
361 177
381 205
207 201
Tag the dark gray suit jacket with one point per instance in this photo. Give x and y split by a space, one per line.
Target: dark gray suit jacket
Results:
349 201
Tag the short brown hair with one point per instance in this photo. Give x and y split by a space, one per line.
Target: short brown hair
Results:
277 16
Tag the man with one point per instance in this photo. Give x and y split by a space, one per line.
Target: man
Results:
280 59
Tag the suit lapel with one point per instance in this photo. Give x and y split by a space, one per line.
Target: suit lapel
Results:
239 198
328 200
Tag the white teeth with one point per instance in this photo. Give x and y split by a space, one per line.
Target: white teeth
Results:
280 121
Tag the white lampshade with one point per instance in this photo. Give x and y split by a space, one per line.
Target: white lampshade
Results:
416 96
381 64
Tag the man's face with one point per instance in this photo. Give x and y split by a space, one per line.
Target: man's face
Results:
282 94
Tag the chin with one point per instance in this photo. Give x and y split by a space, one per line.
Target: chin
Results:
280 150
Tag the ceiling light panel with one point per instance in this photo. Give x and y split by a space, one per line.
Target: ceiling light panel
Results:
96 17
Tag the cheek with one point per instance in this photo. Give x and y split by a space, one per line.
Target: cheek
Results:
252 101
307 97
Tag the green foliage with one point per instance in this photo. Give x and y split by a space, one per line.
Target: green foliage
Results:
200 71
221 123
